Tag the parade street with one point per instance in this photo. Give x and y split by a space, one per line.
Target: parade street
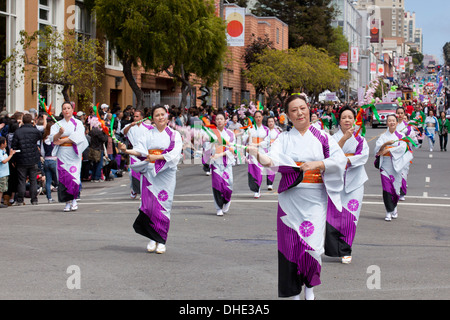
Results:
94 253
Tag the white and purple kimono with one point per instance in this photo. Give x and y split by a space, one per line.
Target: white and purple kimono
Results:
206 154
273 135
341 224
408 131
69 157
222 171
302 204
133 135
391 167
255 169
158 181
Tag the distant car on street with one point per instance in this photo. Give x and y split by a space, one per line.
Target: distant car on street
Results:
384 109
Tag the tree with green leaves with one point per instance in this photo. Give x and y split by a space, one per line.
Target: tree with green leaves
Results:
304 69
339 44
417 57
446 50
257 46
309 20
63 59
183 38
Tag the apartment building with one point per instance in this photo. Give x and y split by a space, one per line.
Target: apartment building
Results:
391 12
413 35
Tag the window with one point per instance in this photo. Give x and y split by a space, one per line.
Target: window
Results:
46 14
82 23
245 96
82 19
112 61
227 95
8 36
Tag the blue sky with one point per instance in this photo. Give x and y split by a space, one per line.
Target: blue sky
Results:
433 16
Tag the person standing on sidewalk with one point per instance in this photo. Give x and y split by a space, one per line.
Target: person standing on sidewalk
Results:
4 168
26 140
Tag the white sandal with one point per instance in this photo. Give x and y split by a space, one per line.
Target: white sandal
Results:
346 259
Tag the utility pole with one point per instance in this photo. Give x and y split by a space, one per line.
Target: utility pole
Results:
220 93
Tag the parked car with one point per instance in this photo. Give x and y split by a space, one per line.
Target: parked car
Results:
384 109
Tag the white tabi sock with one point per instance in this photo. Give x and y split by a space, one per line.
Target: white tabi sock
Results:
309 293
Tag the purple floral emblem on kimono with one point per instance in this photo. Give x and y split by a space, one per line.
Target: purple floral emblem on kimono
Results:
353 205
73 169
306 229
163 196
225 176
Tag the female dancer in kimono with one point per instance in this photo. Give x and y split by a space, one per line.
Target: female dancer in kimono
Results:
221 163
257 136
341 224
312 167
393 156
408 131
70 141
161 146
273 135
133 132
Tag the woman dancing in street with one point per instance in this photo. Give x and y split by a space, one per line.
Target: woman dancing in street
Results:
312 167
273 135
258 136
410 132
341 224
161 146
222 161
392 157
69 142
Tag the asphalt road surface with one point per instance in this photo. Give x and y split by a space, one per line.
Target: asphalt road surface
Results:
94 252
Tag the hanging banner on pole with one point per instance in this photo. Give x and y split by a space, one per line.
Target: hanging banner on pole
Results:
373 68
235 21
381 70
343 61
375 31
361 92
354 55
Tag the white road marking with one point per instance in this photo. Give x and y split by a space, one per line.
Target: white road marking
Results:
252 201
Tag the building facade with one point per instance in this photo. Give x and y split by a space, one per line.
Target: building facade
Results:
354 28
64 15
161 89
